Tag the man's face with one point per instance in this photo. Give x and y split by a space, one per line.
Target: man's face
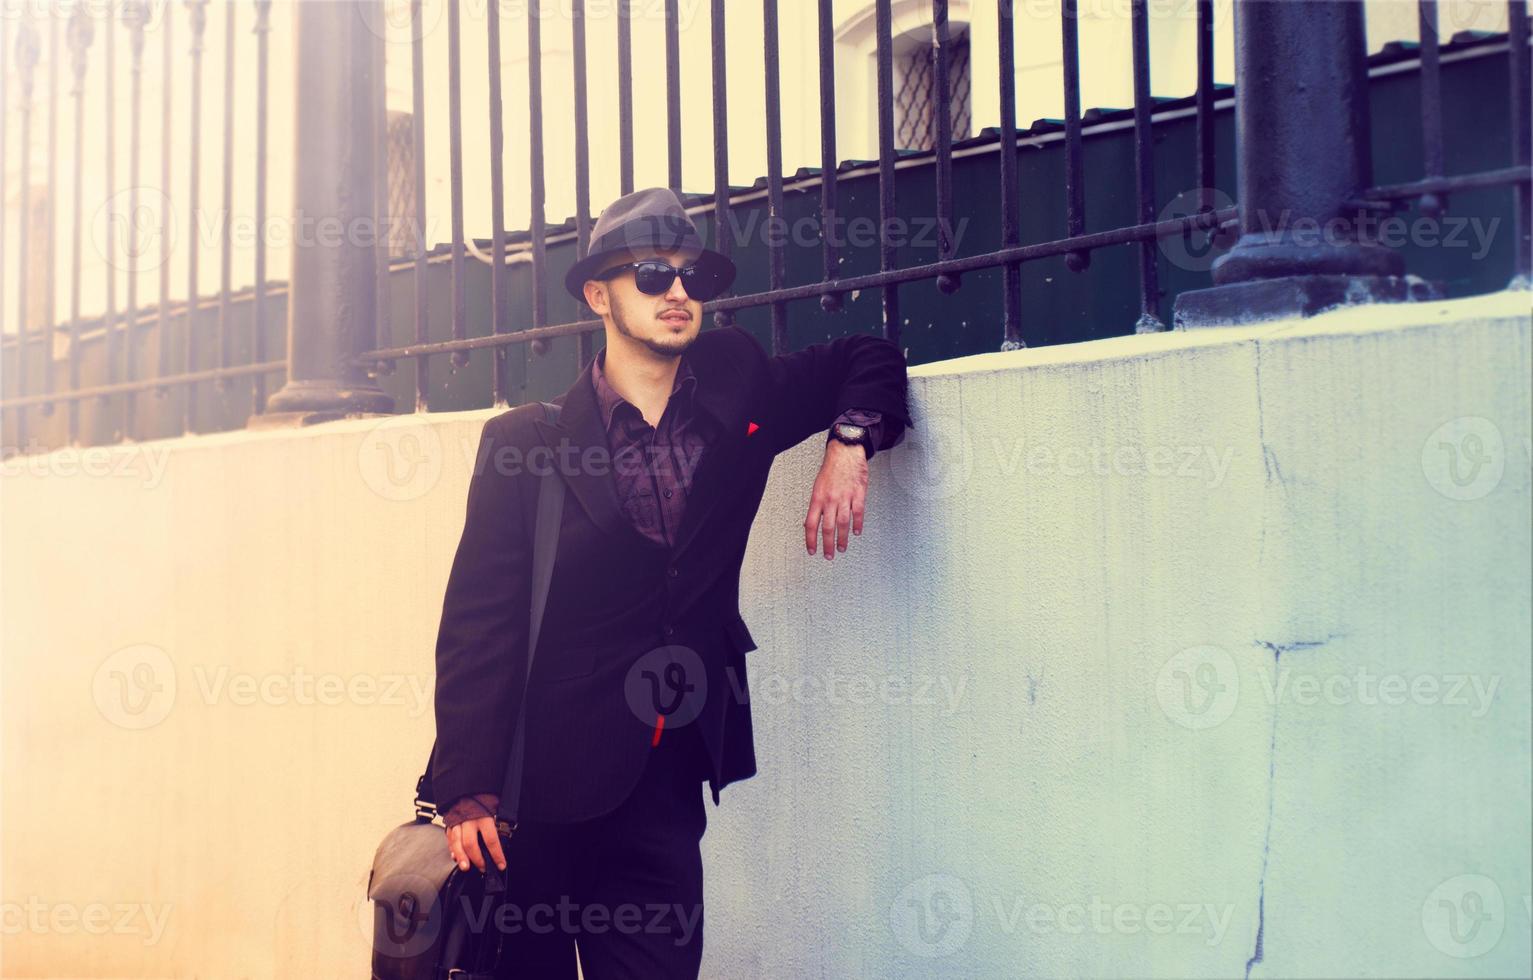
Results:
666 324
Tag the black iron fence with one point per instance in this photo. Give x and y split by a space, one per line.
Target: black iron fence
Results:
1295 244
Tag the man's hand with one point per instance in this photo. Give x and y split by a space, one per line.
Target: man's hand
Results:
463 842
835 504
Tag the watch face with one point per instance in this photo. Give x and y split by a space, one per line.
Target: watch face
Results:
851 433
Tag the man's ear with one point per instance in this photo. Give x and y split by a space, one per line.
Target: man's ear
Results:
596 296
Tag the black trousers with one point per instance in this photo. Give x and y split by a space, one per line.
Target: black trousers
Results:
626 887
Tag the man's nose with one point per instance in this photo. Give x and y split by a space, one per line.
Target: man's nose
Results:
677 293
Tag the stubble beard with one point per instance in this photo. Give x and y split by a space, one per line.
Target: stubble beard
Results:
667 346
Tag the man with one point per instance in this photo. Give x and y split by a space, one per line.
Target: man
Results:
637 692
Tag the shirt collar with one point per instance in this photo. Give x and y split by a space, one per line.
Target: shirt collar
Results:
608 399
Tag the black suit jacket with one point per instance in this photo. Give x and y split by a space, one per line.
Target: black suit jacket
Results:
619 601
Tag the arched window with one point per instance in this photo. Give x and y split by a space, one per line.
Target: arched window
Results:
915 88
914 93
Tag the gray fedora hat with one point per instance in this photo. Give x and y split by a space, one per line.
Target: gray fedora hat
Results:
651 218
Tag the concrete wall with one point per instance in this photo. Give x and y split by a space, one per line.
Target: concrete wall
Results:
1179 655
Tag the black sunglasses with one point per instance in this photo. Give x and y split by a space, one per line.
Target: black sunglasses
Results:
653 278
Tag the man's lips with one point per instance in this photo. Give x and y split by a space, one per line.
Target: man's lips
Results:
676 317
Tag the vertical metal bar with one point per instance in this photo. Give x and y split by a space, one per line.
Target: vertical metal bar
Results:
776 220
258 301
27 48
135 14
1431 105
80 34
381 325
497 208
225 257
829 302
1204 136
884 21
1522 136
1144 172
418 135
26 61
673 95
1075 178
198 18
943 100
625 94
535 195
109 317
455 137
50 280
1011 281
582 157
722 223
5 109
166 88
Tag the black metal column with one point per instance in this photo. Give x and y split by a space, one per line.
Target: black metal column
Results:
1304 163
332 306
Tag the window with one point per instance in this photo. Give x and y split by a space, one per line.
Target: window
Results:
915 89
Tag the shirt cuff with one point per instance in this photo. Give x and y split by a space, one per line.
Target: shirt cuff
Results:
471 807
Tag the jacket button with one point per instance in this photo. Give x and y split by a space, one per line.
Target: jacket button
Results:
670 630
672 572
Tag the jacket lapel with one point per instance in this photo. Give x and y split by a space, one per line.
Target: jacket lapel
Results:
580 427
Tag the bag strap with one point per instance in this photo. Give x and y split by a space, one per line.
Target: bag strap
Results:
544 548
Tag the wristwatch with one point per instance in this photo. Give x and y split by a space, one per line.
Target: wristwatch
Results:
853 435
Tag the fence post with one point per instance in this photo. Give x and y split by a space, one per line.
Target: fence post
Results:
1304 163
332 304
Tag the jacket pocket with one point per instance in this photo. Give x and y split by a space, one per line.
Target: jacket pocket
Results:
739 635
